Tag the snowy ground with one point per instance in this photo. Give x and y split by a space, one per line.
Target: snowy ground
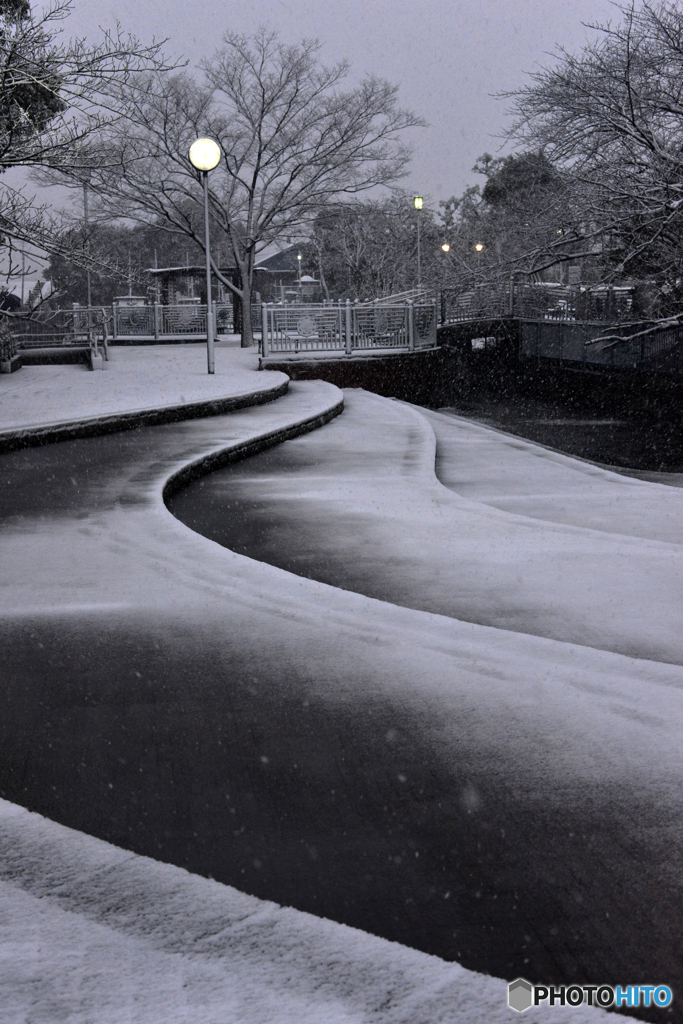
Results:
92 933
538 722
599 564
518 476
134 378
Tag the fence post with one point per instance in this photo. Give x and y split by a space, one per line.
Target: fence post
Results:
105 346
156 321
511 296
215 321
411 325
348 329
114 325
264 329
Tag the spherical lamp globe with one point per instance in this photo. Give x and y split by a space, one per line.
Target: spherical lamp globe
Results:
205 154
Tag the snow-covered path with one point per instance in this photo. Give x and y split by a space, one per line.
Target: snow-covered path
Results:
357 505
92 933
134 379
512 799
518 476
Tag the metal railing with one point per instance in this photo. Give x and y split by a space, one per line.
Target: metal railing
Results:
347 328
62 327
124 323
184 321
643 346
545 301
397 298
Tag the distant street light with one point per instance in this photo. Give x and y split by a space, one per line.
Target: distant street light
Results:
478 249
446 247
205 154
298 264
418 207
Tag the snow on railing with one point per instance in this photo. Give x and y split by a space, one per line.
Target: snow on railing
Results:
542 300
634 346
154 322
347 328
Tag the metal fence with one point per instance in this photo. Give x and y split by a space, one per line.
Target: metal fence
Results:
476 303
156 322
62 327
545 301
65 327
643 346
348 327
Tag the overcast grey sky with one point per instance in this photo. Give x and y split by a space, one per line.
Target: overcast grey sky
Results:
448 56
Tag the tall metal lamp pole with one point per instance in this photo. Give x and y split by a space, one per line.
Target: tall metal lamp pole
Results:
205 154
418 207
86 229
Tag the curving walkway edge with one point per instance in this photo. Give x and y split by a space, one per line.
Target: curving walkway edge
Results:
133 940
93 932
138 387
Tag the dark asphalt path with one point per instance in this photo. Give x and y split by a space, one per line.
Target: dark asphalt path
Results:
300 766
357 506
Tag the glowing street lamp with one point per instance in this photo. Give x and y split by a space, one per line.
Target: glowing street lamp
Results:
204 155
446 247
418 207
479 247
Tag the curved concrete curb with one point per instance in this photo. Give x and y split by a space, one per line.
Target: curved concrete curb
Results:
243 449
26 437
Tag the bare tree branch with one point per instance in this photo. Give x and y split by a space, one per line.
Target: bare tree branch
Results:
611 119
291 140
54 97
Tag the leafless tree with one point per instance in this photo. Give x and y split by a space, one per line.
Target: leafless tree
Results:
611 118
53 98
291 139
511 224
368 249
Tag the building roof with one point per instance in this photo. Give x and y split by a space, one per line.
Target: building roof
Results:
184 270
279 262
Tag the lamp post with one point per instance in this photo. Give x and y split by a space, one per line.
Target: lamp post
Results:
445 248
298 271
86 245
418 207
205 154
86 230
479 248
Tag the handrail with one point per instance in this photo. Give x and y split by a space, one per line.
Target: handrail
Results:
154 322
347 328
398 298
